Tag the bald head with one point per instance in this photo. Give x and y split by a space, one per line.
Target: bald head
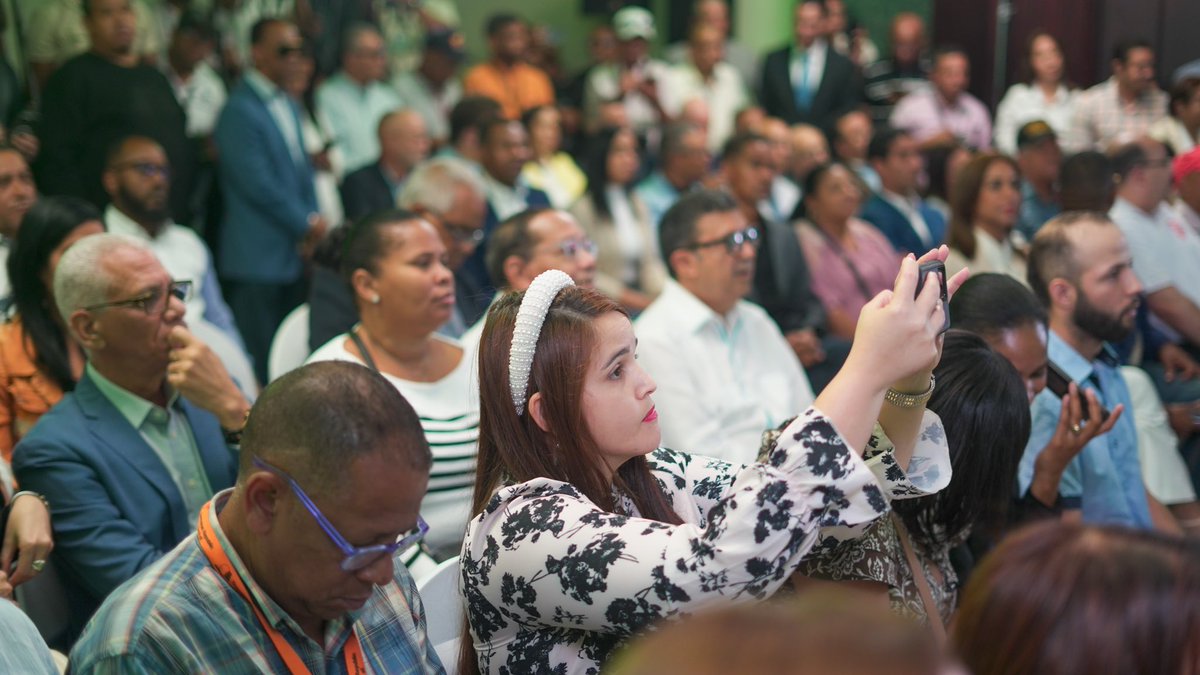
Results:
809 150
908 38
403 140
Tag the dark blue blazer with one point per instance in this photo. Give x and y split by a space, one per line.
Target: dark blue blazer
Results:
268 194
896 227
114 507
483 287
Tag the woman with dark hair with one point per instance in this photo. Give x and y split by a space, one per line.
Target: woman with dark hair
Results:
1180 130
1044 95
38 363
628 266
984 205
550 169
907 557
396 266
1062 598
849 261
585 532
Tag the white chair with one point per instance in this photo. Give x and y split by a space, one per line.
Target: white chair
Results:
443 611
289 347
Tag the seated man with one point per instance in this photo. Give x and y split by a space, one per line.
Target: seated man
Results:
1080 269
944 112
127 459
403 143
897 208
724 371
276 580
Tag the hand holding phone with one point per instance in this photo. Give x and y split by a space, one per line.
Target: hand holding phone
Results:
939 268
1058 382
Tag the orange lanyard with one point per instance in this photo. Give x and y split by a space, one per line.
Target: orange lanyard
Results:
355 664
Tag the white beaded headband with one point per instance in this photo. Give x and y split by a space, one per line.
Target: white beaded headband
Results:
530 317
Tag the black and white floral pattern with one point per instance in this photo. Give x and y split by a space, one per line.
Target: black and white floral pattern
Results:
553 584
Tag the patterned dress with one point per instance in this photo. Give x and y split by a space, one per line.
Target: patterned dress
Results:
554 584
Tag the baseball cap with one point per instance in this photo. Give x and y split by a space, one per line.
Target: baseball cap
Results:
634 22
447 42
1034 132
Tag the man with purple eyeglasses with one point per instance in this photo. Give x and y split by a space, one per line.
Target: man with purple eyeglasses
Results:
297 567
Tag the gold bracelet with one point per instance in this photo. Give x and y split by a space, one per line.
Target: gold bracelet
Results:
902 400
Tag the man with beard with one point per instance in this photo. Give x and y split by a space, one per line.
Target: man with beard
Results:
17 194
1081 270
137 177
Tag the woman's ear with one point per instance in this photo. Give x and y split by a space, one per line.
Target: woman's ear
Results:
537 412
364 286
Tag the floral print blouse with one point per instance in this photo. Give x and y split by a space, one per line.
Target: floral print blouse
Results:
555 584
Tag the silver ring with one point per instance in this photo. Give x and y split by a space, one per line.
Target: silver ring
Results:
1076 429
38 565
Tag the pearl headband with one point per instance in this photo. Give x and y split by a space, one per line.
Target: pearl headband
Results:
528 327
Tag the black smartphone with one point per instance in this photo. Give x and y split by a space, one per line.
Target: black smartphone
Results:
1058 382
938 268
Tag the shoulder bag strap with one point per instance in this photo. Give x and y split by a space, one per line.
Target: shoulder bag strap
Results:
918 573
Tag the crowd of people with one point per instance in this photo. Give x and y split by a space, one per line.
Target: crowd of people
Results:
644 351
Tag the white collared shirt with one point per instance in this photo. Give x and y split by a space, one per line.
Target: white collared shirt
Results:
506 201
722 380
1026 103
724 94
813 61
908 208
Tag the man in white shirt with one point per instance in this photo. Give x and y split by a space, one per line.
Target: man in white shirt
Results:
434 88
1165 251
198 87
715 14
137 178
708 78
355 99
724 371
17 195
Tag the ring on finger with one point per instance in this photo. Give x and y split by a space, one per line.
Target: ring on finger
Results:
1075 428
37 566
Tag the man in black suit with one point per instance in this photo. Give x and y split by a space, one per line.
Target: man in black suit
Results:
403 143
809 82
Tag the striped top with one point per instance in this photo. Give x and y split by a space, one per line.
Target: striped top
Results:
180 616
449 412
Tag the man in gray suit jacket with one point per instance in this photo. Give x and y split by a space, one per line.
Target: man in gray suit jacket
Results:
129 457
271 221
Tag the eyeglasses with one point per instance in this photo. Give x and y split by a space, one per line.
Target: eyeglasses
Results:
153 302
572 247
356 557
146 169
464 234
733 241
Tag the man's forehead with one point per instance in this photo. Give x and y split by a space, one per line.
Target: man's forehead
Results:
720 222
555 226
11 161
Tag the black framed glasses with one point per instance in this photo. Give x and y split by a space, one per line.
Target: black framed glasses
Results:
356 557
573 247
152 302
732 242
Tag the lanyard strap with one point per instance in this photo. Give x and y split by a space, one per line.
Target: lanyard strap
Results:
355 664
918 573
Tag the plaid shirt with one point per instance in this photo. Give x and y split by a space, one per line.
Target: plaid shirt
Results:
1102 119
180 616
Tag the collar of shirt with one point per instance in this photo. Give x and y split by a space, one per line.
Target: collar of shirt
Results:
135 409
690 313
266 89
1075 365
906 205
119 223
814 51
504 199
275 615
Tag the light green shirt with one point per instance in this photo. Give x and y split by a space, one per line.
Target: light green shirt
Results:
166 430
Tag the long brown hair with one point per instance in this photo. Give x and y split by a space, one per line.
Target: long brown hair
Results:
964 196
513 448
1068 599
